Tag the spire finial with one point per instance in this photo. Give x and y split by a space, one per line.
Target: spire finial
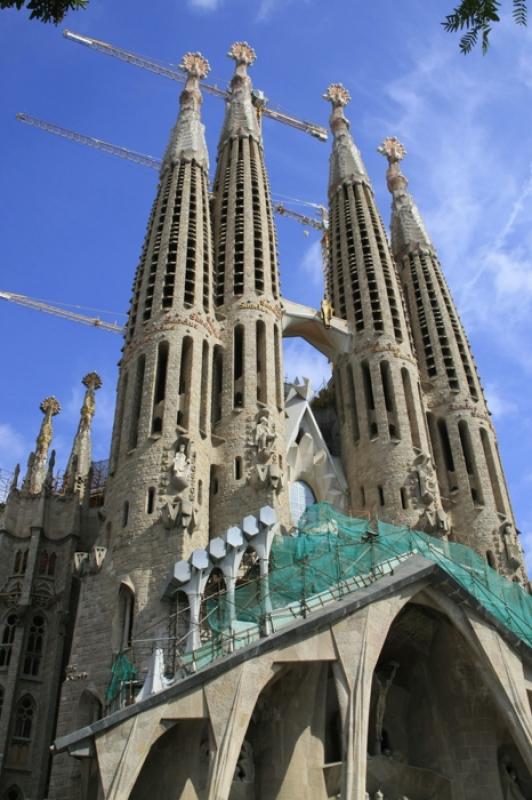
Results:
195 65
338 95
242 53
394 152
37 467
80 459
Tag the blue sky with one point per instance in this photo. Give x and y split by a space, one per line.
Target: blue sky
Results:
73 220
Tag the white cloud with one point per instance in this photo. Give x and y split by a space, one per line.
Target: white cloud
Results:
498 404
312 264
13 446
303 361
204 5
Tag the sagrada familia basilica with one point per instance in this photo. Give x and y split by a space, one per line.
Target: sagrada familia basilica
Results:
270 595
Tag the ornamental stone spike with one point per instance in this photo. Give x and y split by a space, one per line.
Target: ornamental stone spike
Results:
241 116
37 462
79 462
406 225
187 140
345 161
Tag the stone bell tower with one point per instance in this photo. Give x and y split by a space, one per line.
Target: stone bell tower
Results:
463 440
385 447
160 452
248 403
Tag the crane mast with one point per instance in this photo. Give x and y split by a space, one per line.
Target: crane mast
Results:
175 74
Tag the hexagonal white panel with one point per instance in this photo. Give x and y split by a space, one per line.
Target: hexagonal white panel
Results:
250 526
217 548
267 515
199 559
234 537
182 571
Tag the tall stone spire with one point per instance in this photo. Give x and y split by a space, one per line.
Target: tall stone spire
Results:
248 397
462 436
38 460
80 460
385 447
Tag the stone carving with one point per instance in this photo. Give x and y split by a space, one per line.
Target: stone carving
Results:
423 491
509 780
182 467
271 474
177 512
392 149
513 555
264 434
37 466
337 94
383 687
195 64
242 53
326 312
245 766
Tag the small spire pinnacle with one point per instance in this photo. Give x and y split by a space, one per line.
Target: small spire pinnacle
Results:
187 140
241 118
407 227
346 161
37 462
80 459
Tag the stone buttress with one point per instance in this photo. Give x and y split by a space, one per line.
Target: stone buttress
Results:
156 504
463 440
385 449
248 404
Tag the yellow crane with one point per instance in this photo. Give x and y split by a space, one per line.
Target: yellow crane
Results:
65 313
176 74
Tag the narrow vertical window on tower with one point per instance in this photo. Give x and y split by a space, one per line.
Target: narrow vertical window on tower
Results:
279 385
369 266
124 619
238 366
373 429
339 394
137 402
271 227
34 646
430 362
204 398
8 637
458 332
437 316
156 249
387 268
217 384
139 275
389 400
352 261
410 408
192 239
336 270
258 252
262 372
117 438
470 463
238 264
185 377
355 427
492 471
207 289
159 390
173 241
222 234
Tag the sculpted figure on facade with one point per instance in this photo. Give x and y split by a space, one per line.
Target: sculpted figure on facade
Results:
182 467
509 781
245 767
264 435
383 687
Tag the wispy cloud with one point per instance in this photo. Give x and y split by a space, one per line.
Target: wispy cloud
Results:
312 264
204 5
498 403
13 446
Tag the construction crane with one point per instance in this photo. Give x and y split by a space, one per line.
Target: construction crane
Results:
40 305
317 223
176 74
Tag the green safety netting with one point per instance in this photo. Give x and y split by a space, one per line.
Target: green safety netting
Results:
123 672
332 550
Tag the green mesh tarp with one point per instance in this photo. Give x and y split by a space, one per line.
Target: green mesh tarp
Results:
122 671
331 550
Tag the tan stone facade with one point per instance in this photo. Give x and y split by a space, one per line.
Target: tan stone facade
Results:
407 687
